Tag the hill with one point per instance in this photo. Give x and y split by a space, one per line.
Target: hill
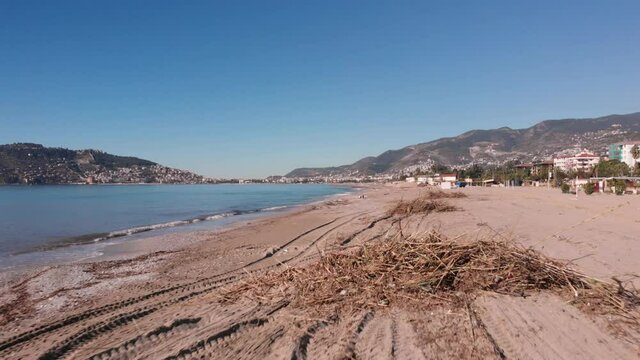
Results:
540 141
26 163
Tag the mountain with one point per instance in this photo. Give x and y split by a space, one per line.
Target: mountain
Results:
540 141
25 163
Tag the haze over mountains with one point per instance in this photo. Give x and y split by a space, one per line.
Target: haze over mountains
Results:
496 146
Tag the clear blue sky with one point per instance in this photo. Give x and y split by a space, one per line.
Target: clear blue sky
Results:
240 88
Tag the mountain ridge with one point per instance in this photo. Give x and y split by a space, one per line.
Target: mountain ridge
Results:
494 146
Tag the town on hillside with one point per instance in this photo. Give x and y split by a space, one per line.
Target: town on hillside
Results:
616 170
34 164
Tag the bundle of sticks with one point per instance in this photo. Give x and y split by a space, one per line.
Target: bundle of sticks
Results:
431 269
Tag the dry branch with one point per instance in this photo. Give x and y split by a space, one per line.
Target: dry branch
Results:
431 268
420 206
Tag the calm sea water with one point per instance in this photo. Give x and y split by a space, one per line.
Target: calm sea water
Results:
42 217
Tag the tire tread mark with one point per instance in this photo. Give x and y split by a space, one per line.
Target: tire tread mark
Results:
371 225
496 348
91 313
91 332
256 322
158 331
350 351
291 242
394 338
301 345
88 334
320 238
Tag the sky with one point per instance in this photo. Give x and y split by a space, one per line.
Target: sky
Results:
257 88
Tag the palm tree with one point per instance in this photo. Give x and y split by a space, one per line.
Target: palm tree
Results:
635 152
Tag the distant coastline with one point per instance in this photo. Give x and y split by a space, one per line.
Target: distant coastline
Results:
124 183
29 163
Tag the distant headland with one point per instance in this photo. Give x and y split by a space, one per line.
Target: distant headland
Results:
27 163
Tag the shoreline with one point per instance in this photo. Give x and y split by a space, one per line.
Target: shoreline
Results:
96 246
218 183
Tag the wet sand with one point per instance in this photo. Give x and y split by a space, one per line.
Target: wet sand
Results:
162 299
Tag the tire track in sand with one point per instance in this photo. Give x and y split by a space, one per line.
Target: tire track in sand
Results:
201 345
302 343
216 281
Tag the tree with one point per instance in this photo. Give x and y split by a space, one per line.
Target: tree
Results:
474 172
611 168
620 186
439 168
635 152
559 177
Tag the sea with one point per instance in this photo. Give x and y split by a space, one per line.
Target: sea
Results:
59 223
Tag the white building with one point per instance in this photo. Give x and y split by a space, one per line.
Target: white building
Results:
583 161
624 153
448 177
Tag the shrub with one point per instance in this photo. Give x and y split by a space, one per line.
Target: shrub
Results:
589 188
620 186
565 188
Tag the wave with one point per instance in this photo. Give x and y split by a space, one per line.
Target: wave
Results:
91 238
273 208
171 224
342 194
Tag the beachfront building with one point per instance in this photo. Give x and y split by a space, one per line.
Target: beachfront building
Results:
526 166
625 152
523 170
607 184
490 182
542 169
582 162
448 177
446 181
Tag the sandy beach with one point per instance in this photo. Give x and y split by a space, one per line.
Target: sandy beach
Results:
164 297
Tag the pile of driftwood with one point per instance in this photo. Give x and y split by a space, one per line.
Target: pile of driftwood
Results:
420 206
439 194
430 269
425 204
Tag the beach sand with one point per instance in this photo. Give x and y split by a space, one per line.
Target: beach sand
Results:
161 297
